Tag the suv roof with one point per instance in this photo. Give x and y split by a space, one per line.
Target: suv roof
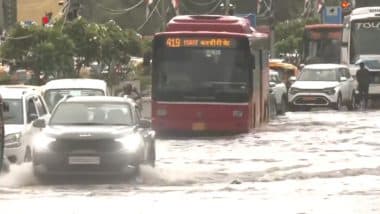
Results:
100 99
325 66
76 83
15 92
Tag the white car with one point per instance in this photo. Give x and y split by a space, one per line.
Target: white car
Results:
55 90
318 85
280 92
23 105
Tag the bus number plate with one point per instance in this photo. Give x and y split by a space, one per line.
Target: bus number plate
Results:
199 126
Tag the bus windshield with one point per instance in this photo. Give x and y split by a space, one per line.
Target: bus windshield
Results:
201 74
366 3
322 51
322 45
365 34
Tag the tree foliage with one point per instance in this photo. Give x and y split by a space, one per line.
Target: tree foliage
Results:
55 50
289 35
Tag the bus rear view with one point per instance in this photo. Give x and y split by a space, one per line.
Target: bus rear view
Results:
203 81
201 71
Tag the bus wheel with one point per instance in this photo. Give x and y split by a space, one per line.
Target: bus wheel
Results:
338 104
292 107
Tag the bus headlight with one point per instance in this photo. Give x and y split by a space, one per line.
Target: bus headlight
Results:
131 143
12 140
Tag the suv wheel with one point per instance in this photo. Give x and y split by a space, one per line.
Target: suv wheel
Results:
152 155
338 104
28 155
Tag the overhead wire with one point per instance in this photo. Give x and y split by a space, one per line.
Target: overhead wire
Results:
268 8
211 11
149 16
120 11
202 3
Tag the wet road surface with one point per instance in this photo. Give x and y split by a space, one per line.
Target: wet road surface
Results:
304 162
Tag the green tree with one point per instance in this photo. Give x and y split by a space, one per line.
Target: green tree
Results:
44 50
289 35
87 41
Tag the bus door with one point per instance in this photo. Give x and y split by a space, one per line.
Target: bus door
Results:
1 133
256 88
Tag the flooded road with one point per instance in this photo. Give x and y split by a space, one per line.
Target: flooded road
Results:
303 162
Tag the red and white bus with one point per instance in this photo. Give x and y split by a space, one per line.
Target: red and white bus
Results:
322 43
210 74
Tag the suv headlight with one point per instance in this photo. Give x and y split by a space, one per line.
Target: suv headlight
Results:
294 90
131 143
329 91
42 142
12 140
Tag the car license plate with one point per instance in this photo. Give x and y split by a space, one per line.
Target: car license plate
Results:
309 98
84 160
199 126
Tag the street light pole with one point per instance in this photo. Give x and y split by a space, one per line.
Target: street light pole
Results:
227 7
163 14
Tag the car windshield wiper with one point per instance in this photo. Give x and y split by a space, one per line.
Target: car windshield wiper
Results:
117 124
79 124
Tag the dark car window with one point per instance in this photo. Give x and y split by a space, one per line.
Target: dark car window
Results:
91 113
40 107
13 114
31 110
319 75
52 97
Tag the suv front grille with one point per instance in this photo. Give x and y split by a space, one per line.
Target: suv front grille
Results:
98 145
311 100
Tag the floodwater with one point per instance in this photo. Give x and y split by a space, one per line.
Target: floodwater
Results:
304 162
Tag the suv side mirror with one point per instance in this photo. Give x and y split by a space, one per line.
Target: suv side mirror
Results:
292 79
343 79
145 124
40 123
32 117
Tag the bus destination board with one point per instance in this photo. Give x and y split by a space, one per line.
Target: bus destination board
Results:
178 42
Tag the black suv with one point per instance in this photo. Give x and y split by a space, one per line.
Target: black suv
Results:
93 135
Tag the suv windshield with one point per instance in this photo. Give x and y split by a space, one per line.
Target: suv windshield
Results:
52 97
13 114
90 113
319 75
